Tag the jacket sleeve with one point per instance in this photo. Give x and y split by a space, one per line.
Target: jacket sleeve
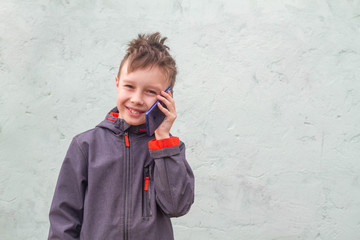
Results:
66 212
173 177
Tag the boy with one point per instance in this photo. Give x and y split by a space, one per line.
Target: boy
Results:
116 182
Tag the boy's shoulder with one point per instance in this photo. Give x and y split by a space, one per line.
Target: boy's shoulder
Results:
101 129
93 139
87 136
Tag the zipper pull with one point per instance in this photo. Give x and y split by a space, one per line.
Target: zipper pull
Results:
127 143
146 185
146 178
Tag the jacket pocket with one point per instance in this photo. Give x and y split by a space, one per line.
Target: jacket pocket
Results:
146 206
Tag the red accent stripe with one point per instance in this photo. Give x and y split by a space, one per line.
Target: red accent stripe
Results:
163 143
114 114
146 185
110 119
142 130
127 141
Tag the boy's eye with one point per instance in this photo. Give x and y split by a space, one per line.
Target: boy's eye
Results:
129 86
152 92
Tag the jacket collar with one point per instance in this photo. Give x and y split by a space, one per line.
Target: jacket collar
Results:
118 125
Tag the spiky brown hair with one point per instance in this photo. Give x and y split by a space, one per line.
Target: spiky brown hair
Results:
148 51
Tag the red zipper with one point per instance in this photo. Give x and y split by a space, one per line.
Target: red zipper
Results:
127 143
127 187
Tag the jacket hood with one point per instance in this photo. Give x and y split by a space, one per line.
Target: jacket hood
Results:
117 125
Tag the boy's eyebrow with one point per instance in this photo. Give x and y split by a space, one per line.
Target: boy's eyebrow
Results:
127 81
154 88
146 86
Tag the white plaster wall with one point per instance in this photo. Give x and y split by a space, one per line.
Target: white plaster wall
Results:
268 98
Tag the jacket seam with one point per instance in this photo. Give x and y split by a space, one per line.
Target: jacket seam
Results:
82 152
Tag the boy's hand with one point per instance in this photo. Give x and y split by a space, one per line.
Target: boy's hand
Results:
163 131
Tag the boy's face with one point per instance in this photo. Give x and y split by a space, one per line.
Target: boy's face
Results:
137 92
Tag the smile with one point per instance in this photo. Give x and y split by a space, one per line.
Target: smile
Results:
134 112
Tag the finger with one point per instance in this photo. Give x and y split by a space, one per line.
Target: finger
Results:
169 116
169 104
163 109
167 95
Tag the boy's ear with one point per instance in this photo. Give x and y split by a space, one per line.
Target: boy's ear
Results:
117 81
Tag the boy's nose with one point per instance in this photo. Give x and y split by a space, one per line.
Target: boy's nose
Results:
137 99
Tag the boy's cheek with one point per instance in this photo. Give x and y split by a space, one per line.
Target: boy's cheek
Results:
150 102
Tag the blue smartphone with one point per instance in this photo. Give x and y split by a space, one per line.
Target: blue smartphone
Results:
154 116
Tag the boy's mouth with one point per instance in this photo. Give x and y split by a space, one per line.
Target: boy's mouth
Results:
135 112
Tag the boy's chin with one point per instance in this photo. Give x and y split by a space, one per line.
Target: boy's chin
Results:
135 122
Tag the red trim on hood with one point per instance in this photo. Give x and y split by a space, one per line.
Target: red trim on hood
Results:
114 114
164 143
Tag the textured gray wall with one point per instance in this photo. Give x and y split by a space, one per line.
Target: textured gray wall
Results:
268 98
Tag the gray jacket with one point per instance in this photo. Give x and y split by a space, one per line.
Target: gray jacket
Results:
118 183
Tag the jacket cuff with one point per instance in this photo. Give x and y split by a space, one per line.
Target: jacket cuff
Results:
164 147
164 143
